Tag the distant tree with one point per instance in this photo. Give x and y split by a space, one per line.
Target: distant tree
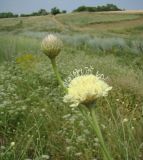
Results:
55 11
64 11
81 9
25 15
8 15
108 7
33 14
112 7
42 12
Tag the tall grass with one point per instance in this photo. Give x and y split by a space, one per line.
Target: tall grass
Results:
36 124
16 45
104 44
35 118
81 19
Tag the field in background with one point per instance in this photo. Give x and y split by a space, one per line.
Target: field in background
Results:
32 113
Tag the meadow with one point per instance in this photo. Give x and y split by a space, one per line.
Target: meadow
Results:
35 123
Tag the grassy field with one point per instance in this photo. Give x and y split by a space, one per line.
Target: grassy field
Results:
35 123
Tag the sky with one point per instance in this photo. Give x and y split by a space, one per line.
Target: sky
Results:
28 6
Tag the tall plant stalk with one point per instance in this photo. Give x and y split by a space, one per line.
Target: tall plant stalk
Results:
98 133
92 120
58 76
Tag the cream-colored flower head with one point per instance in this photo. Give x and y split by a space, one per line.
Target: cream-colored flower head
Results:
51 46
85 89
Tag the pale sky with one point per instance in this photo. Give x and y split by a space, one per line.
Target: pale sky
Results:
28 6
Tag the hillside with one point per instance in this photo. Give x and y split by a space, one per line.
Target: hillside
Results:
35 121
104 22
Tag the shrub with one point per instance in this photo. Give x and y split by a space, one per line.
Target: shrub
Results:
8 15
107 7
55 11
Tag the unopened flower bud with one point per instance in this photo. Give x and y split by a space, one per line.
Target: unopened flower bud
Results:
51 46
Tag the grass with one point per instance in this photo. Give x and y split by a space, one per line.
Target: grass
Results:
93 18
12 45
32 112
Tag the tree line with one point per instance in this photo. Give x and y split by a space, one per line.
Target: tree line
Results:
8 15
107 7
55 10
41 12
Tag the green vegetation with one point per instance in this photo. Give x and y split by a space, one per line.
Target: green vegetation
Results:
107 7
84 19
41 12
55 11
8 15
35 123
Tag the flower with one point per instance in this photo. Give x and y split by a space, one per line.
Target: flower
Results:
27 61
85 89
125 120
45 157
12 144
51 46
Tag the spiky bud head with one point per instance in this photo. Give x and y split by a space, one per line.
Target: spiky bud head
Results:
51 46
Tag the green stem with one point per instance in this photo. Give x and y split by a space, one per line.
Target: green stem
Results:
55 68
99 135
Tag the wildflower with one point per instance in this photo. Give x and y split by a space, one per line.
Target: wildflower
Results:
43 109
96 139
69 148
27 62
81 139
132 128
45 157
2 147
78 154
25 58
96 144
85 89
66 116
103 126
86 131
51 46
125 120
117 100
12 144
